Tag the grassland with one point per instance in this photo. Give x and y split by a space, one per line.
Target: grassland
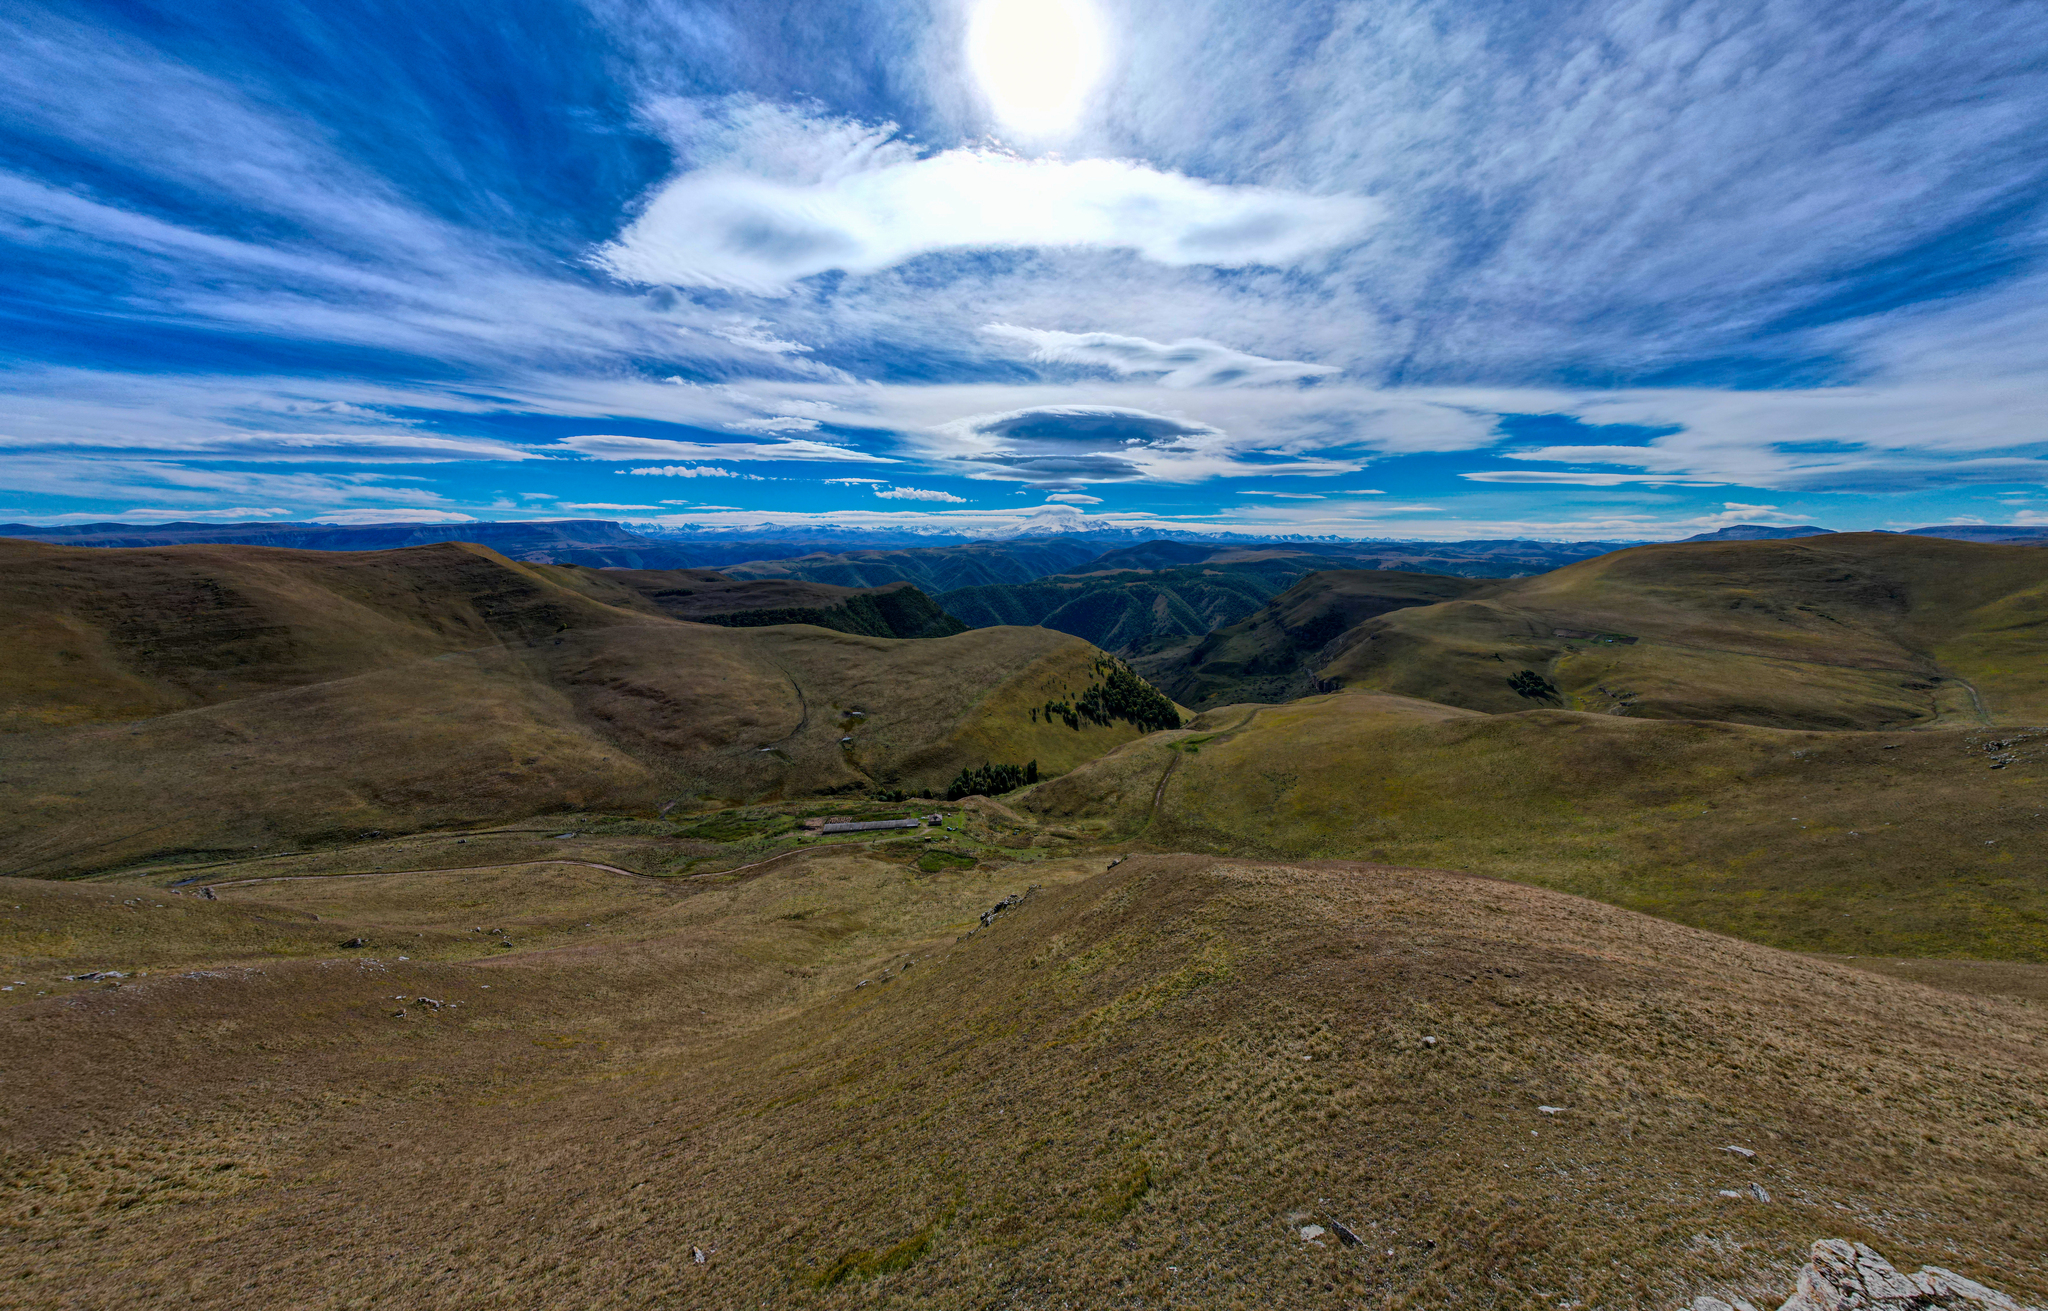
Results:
1901 844
210 702
1855 631
1132 1088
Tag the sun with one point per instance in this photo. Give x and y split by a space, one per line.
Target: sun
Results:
1036 60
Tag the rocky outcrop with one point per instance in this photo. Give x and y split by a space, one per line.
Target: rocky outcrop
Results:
1845 1276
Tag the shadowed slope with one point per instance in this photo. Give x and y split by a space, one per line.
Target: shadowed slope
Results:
209 699
1273 654
707 597
1864 843
1143 1082
1846 631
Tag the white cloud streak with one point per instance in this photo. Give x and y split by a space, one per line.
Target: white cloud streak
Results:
793 197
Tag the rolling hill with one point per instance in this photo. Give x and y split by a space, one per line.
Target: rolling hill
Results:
832 1082
195 699
1867 844
706 597
1274 653
1139 609
1846 631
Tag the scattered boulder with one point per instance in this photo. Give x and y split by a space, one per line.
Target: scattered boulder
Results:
1742 1152
1344 1234
1310 1233
354 943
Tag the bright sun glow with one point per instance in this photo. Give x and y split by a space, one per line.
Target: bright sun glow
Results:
1036 60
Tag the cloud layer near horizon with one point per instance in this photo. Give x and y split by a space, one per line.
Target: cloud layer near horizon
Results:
1648 255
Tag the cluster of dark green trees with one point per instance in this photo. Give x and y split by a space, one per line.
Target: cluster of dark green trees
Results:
991 780
1120 695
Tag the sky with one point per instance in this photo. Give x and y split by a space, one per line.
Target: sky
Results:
1421 268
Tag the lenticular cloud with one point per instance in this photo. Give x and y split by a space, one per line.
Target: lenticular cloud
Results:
737 229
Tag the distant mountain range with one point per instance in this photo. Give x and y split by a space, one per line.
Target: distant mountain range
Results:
869 557
1967 532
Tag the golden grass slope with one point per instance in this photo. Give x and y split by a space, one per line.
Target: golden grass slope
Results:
1903 844
319 695
1134 1088
1851 631
97 635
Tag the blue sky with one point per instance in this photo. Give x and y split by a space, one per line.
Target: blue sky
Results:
1588 270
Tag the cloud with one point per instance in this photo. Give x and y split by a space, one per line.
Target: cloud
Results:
793 197
685 471
605 446
391 516
1192 362
1077 444
1734 512
323 447
774 424
605 505
918 494
1074 498
1292 496
1547 478
150 515
754 334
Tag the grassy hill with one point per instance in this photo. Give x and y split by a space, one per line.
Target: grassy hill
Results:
209 699
708 597
1274 654
1848 631
1135 1084
1858 843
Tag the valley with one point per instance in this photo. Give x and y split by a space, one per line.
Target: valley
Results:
475 924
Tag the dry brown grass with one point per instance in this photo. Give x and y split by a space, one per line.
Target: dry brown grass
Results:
1128 1091
241 699
1901 844
1854 631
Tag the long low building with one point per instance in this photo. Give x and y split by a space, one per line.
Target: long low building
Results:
876 823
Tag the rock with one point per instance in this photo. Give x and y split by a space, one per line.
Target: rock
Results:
1310 1233
1550 1110
1846 1276
1344 1234
697 1254
1730 1192
1429 1042
1743 1152
354 943
1757 1191
988 916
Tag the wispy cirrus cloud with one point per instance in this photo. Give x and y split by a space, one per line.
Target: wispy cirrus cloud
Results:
778 197
1189 363
611 447
917 494
1706 244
